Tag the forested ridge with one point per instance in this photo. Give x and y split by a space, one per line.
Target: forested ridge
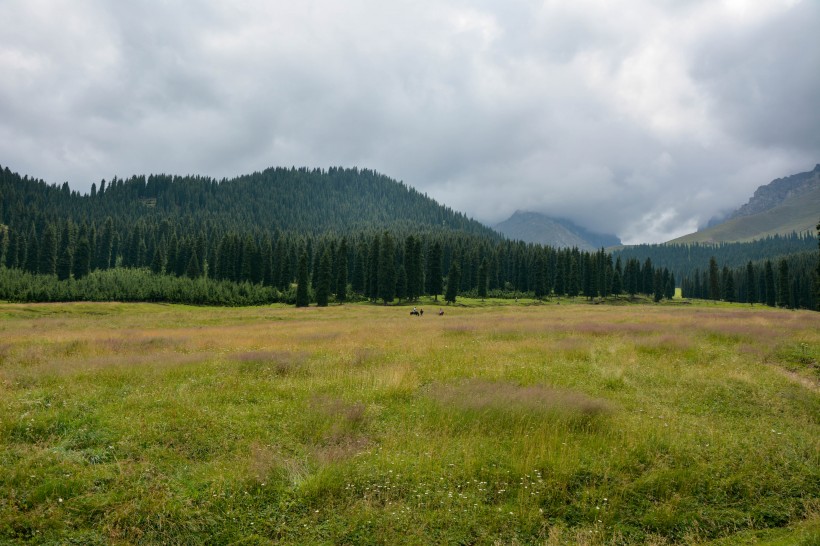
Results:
288 199
296 236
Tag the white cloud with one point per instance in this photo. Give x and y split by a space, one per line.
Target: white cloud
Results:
642 118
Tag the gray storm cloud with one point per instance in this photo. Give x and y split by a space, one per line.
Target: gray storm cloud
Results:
639 118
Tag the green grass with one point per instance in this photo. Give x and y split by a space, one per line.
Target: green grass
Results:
525 422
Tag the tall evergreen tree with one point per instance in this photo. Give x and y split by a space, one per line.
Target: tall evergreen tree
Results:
714 280
729 286
482 279
105 245
750 284
434 280
65 262
387 269
324 279
373 269
82 258
783 284
48 251
401 282
574 279
302 298
453 281
193 271
657 286
341 271
771 295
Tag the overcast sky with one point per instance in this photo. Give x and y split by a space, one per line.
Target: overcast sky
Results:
641 118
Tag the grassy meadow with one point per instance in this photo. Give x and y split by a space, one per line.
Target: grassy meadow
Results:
497 423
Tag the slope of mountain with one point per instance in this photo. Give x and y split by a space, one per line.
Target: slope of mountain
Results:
786 205
288 199
534 227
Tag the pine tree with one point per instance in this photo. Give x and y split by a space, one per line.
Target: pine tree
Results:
82 259
158 260
65 262
751 286
453 280
387 269
482 279
341 271
771 295
540 276
617 284
105 242
401 283
302 298
669 292
48 251
574 279
323 279
783 284
434 280
373 270
657 286
193 271
729 290
714 280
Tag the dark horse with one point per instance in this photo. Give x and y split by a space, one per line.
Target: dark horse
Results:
414 312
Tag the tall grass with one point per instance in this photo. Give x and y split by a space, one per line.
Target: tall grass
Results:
358 424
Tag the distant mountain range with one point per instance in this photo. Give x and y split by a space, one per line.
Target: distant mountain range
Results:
534 227
785 205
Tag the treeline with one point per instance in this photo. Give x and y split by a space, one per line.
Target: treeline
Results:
77 262
790 282
683 260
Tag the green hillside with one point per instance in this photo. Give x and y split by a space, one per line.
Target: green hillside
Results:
308 201
776 209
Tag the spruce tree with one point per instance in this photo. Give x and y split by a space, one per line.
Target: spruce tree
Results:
540 276
751 285
323 279
482 279
657 286
574 278
302 298
387 269
434 280
729 290
453 280
617 284
401 283
65 262
771 295
48 251
82 258
158 260
373 269
193 271
714 280
783 284
341 271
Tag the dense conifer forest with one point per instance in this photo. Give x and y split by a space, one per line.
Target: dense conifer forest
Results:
684 259
298 236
